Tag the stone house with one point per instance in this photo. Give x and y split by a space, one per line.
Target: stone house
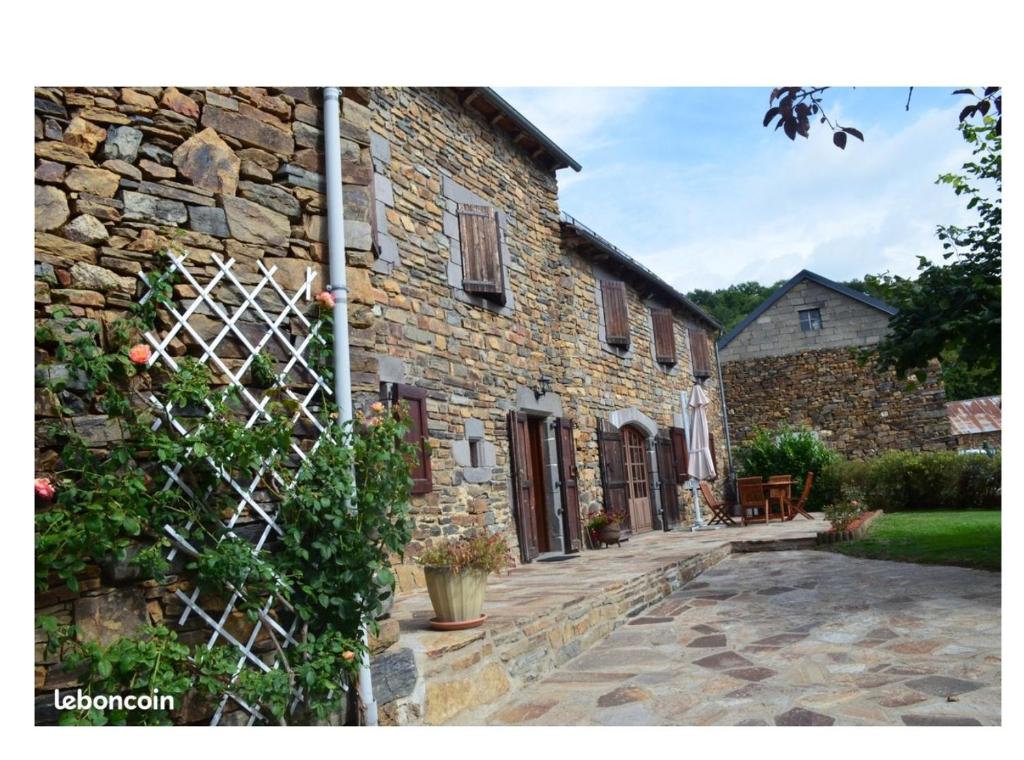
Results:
542 365
794 360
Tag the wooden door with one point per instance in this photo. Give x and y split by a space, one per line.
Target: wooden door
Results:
523 485
567 475
613 468
667 484
638 480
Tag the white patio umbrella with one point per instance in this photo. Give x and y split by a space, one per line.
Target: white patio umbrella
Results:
700 465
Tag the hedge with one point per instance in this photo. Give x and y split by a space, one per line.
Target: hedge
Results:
900 481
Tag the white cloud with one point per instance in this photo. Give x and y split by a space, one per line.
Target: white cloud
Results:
578 119
781 206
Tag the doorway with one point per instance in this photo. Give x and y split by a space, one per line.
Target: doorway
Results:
638 492
535 453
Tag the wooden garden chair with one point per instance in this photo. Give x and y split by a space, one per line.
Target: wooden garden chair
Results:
719 509
780 494
800 507
751 497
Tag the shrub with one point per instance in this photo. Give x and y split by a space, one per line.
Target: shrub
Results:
787 451
905 480
844 511
488 553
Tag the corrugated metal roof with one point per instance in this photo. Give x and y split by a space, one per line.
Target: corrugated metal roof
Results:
976 415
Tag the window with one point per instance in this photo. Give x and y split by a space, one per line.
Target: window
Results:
415 399
616 315
664 336
480 240
810 319
700 353
474 453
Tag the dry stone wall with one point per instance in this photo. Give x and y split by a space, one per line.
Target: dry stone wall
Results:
121 174
855 410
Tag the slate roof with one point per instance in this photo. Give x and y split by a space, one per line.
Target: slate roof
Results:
804 274
976 415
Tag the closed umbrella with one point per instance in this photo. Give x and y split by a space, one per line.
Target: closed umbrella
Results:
700 465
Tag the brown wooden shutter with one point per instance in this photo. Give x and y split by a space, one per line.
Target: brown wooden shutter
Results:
667 477
417 434
714 456
700 353
613 468
664 336
479 239
567 474
616 315
522 485
680 454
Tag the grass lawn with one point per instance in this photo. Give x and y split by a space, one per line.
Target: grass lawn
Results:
969 539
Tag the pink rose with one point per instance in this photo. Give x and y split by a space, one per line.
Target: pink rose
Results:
348 655
139 353
373 421
377 406
325 298
44 489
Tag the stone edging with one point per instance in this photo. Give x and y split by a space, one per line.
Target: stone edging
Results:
858 529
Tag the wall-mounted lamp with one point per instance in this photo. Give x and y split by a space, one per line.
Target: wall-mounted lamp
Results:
543 387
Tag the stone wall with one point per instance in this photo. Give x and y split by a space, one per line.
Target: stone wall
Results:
844 322
603 379
856 411
120 173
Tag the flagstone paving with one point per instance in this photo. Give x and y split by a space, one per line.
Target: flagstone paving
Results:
799 638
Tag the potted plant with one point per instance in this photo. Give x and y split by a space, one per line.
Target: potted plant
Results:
605 527
456 571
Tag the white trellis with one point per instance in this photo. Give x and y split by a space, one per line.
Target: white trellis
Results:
250 317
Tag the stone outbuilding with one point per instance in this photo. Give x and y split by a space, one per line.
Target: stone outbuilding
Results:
977 423
799 359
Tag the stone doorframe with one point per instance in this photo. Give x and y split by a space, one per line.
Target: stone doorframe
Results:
632 416
548 407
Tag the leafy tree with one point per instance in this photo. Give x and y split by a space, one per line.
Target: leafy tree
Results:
953 310
730 305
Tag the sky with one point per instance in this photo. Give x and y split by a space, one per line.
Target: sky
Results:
688 181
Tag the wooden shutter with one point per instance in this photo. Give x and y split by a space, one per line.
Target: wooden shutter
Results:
616 315
569 478
664 336
612 457
700 353
667 479
680 454
522 485
714 456
481 252
418 435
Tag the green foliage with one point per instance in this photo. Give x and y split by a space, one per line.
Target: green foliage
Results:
905 480
970 539
845 510
488 553
730 305
343 512
954 310
787 451
344 516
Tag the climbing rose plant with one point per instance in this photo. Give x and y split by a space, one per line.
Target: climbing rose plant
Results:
343 511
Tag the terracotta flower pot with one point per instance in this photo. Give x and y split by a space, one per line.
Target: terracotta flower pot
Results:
456 597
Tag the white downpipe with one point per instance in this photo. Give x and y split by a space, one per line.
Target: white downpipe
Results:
339 289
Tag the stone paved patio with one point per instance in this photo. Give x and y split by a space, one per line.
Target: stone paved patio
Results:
788 638
542 615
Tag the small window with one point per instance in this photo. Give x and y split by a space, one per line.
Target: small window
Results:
474 452
810 319
480 240
616 315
